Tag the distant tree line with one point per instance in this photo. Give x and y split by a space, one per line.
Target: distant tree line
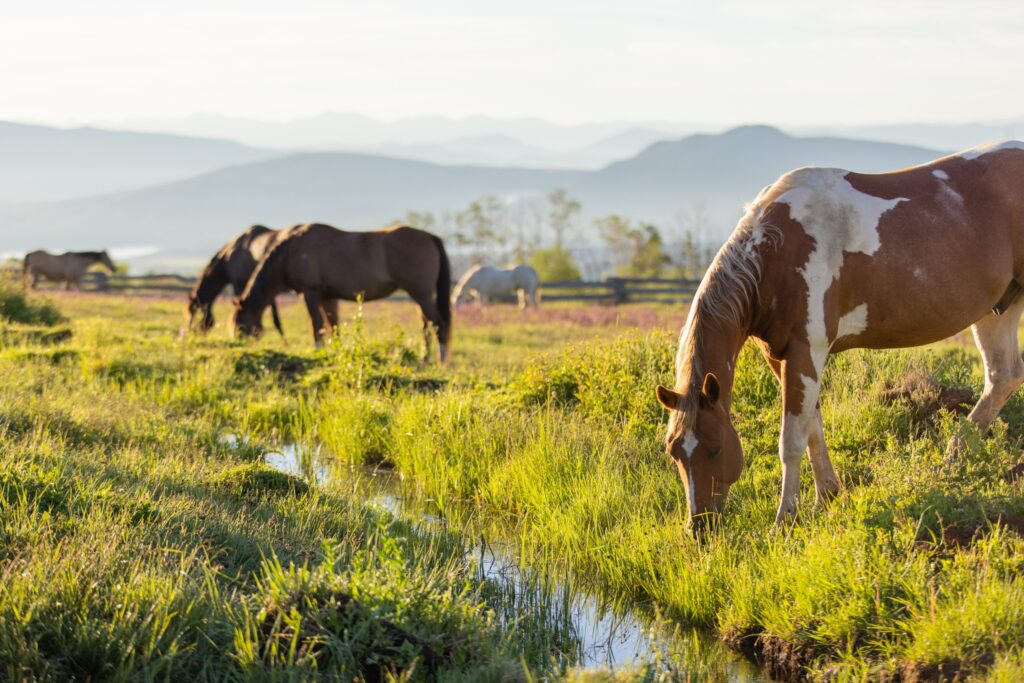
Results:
540 230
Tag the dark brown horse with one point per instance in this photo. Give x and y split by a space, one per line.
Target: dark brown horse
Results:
325 264
233 264
827 260
67 268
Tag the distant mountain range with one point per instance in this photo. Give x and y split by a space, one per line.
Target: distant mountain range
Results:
40 163
189 218
527 141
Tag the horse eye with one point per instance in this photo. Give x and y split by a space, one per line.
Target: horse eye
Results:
714 451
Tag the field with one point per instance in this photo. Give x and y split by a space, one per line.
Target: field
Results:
144 536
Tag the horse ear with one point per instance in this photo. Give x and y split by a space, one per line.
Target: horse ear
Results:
709 392
668 398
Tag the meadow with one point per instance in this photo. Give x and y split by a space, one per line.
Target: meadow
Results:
144 536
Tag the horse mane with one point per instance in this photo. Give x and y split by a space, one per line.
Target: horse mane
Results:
97 255
727 294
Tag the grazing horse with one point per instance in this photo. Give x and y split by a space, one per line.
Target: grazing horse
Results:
827 260
232 264
325 264
486 282
67 268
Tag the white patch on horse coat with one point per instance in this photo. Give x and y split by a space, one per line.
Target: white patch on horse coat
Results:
689 443
980 150
854 322
947 191
919 273
841 219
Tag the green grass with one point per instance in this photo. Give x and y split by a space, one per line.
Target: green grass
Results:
137 543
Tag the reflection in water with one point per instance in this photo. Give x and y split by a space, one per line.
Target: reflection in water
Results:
605 636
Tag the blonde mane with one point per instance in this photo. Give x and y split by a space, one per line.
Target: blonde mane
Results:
726 294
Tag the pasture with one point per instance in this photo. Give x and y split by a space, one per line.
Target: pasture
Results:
144 535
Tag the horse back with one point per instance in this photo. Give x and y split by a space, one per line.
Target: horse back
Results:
890 259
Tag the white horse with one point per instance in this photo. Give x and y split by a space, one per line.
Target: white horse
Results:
486 282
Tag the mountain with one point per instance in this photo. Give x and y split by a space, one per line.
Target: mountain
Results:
40 163
716 172
722 171
203 212
350 131
935 135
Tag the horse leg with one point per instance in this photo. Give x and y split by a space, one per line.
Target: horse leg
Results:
826 483
431 319
312 300
330 308
521 296
801 384
996 337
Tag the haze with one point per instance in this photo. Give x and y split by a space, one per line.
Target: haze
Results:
795 62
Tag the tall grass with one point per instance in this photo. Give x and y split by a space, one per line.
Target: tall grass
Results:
167 550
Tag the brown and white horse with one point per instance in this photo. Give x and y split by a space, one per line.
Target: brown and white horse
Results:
67 268
827 260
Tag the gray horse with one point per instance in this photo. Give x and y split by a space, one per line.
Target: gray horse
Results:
67 268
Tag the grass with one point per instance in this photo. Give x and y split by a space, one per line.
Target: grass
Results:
137 543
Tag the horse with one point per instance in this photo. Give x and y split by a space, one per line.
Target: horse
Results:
232 264
486 282
67 268
825 260
325 264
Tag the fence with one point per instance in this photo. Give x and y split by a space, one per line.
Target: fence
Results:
610 291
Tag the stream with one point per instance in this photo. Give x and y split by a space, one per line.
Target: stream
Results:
606 636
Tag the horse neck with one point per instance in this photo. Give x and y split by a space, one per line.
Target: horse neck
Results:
264 283
709 344
212 282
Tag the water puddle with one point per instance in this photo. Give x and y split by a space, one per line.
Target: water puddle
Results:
603 636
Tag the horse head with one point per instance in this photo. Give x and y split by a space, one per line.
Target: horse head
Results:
104 259
195 306
705 448
246 322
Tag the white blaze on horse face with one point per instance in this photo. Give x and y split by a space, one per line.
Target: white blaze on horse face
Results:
841 219
689 443
981 150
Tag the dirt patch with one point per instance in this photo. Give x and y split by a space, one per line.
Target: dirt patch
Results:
961 536
1015 475
927 397
952 671
783 660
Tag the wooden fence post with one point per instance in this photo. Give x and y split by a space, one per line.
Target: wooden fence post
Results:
619 294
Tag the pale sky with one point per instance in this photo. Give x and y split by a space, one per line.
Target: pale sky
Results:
785 62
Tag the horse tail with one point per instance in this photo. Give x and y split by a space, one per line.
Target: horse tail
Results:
444 291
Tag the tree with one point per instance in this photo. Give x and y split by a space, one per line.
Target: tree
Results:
478 226
636 251
562 213
649 257
525 218
695 252
424 220
555 264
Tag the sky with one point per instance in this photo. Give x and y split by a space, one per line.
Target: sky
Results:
785 62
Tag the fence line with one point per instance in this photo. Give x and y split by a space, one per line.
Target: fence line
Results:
612 290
